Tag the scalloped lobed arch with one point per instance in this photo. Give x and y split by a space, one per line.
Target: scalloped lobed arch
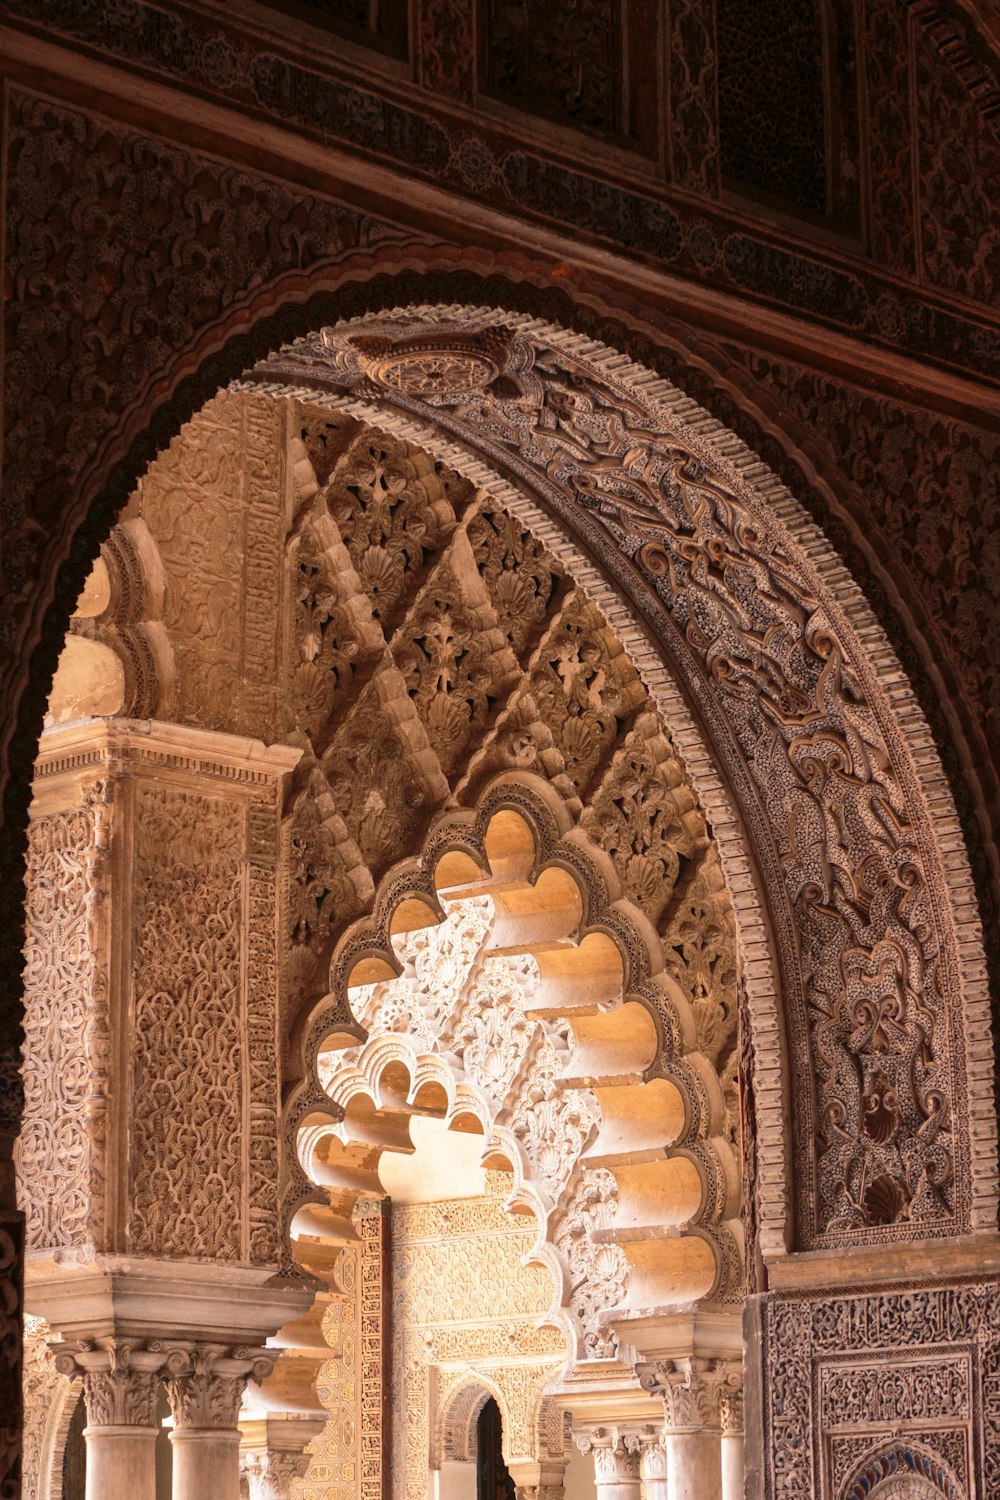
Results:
853 897
658 1129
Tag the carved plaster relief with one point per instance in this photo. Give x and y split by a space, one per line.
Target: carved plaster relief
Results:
776 647
464 1326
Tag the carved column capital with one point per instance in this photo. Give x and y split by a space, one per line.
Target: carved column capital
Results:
615 1452
269 1475
731 1401
120 1378
691 1391
652 1454
205 1382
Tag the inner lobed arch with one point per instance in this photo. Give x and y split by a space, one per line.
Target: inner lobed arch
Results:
653 1130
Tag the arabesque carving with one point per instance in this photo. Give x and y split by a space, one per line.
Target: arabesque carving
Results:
773 657
496 1020
60 1154
120 1378
205 1382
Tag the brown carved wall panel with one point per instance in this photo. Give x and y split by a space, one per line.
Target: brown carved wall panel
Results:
890 144
772 126
886 1388
924 485
447 48
590 64
380 24
693 137
959 164
229 233
565 57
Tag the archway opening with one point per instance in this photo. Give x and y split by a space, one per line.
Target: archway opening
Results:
459 721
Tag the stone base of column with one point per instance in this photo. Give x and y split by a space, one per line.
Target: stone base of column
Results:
206 1463
121 1461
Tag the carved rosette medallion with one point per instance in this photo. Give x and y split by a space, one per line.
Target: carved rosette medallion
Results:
437 364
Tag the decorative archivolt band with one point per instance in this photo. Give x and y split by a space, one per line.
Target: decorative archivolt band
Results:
657 1115
880 980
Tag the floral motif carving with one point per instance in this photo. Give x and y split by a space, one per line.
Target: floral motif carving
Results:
49 1402
814 733
120 1379
959 156
60 1153
597 1266
644 814
553 1123
870 1365
454 1265
205 1382
186 1160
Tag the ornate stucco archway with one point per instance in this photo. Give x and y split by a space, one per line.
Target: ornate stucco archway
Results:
429 463
807 714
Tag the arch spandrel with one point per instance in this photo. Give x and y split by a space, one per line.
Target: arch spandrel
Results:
808 716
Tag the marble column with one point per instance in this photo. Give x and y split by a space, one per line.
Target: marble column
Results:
616 1462
731 1412
691 1391
120 1380
205 1384
271 1453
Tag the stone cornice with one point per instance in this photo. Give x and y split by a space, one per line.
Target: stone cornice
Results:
87 747
141 1298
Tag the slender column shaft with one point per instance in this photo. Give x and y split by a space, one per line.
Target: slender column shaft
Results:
121 1461
206 1463
732 1466
694 1465
731 1412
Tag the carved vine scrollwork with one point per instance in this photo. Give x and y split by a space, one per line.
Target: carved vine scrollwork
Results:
778 664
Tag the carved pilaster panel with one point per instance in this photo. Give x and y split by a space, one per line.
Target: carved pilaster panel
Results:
845 1377
60 1155
203 1133
185 1168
